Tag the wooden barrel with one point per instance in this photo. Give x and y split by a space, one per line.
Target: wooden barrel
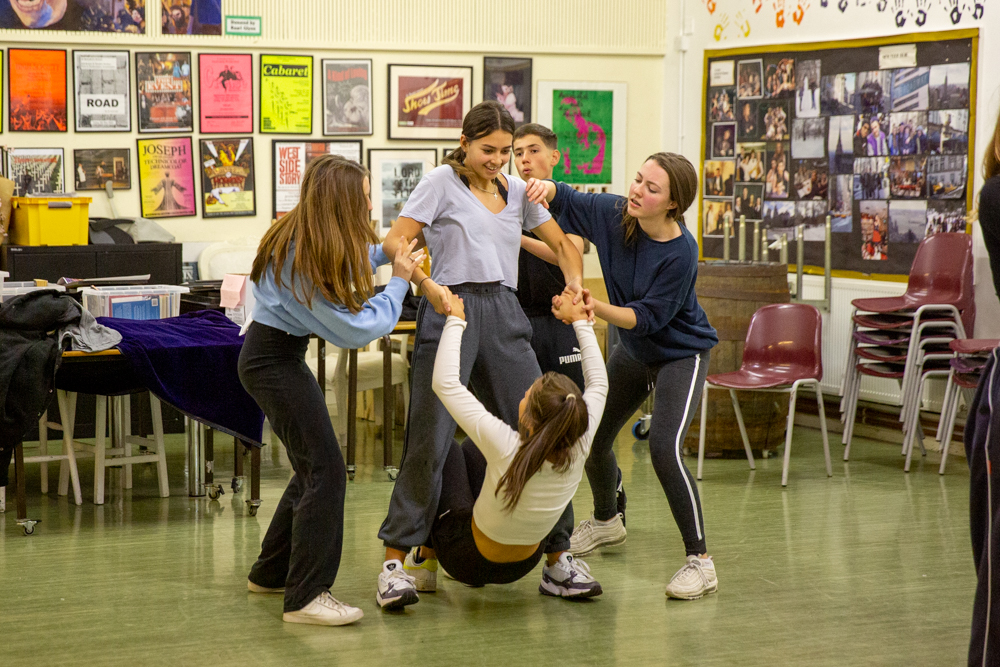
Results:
730 295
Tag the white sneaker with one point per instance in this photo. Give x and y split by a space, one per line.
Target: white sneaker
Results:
424 574
254 588
591 534
694 580
568 577
324 610
395 587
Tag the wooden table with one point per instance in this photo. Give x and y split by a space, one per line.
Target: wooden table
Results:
388 398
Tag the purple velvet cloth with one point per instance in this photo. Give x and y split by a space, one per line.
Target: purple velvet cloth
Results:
191 363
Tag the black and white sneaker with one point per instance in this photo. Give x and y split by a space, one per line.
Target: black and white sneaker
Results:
621 497
395 588
568 578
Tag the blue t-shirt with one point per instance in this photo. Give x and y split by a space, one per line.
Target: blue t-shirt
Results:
467 242
655 279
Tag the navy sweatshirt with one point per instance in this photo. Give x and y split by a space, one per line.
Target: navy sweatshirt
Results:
655 279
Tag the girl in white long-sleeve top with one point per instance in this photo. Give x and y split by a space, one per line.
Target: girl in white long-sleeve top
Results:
495 515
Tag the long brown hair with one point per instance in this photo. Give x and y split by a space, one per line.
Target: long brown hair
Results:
683 186
484 118
329 227
556 417
991 160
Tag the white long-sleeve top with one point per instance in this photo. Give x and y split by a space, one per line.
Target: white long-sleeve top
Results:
547 493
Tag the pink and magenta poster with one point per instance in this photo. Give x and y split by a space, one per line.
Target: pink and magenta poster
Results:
166 178
225 92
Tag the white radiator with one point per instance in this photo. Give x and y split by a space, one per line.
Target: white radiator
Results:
837 333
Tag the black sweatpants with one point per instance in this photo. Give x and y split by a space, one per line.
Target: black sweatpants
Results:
556 348
302 547
982 448
678 392
497 365
451 535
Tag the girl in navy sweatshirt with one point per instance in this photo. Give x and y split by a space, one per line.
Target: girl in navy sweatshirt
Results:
650 264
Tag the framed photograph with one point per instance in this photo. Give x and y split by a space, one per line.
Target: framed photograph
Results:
747 121
750 81
721 104
227 178
508 81
716 213
286 89
37 90
163 91
723 140
225 93
289 162
719 178
774 120
127 16
102 91
749 200
588 119
92 168
395 172
428 102
779 77
35 170
750 161
347 97
166 178
191 17
446 151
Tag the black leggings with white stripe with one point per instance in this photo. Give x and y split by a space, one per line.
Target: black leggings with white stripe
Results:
678 394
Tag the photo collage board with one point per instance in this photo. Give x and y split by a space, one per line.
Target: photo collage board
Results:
877 134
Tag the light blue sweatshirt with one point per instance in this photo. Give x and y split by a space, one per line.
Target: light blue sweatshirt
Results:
276 307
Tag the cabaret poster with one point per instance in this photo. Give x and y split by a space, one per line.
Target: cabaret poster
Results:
347 97
225 99
286 84
163 81
102 91
227 178
290 160
37 80
428 102
166 178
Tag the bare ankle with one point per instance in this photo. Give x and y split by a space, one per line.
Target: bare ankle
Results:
427 553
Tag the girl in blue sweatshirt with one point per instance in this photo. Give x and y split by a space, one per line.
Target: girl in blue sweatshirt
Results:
303 284
650 264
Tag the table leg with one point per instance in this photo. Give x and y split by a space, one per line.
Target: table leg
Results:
239 451
388 403
195 458
254 501
19 490
211 488
352 411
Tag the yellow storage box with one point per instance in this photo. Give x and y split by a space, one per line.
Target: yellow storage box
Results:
51 220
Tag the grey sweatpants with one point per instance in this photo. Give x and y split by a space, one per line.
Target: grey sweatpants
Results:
498 365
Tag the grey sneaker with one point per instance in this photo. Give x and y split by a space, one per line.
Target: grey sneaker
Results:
395 587
696 579
591 534
568 577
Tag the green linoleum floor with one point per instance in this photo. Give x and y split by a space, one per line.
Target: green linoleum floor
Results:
871 567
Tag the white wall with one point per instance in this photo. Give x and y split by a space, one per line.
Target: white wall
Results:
720 24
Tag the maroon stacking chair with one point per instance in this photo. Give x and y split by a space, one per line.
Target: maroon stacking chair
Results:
938 305
783 351
963 377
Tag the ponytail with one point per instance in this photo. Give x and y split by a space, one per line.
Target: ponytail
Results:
555 419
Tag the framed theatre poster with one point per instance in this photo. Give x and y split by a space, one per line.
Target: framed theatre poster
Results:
508 81
589 121
163 84
395 172
123 16
347 97
35 170
428 102
93 168
286 88
166 178
227 178
289 161
187 17
37 93
225 93
102 91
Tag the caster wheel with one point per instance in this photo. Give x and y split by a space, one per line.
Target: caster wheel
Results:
640 429
350 476
214 492
28 530
237 484
392 472
252 506
252 510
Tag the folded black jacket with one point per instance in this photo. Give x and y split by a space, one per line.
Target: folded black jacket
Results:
29 357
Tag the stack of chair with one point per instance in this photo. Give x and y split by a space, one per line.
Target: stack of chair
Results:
906 338
965 369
